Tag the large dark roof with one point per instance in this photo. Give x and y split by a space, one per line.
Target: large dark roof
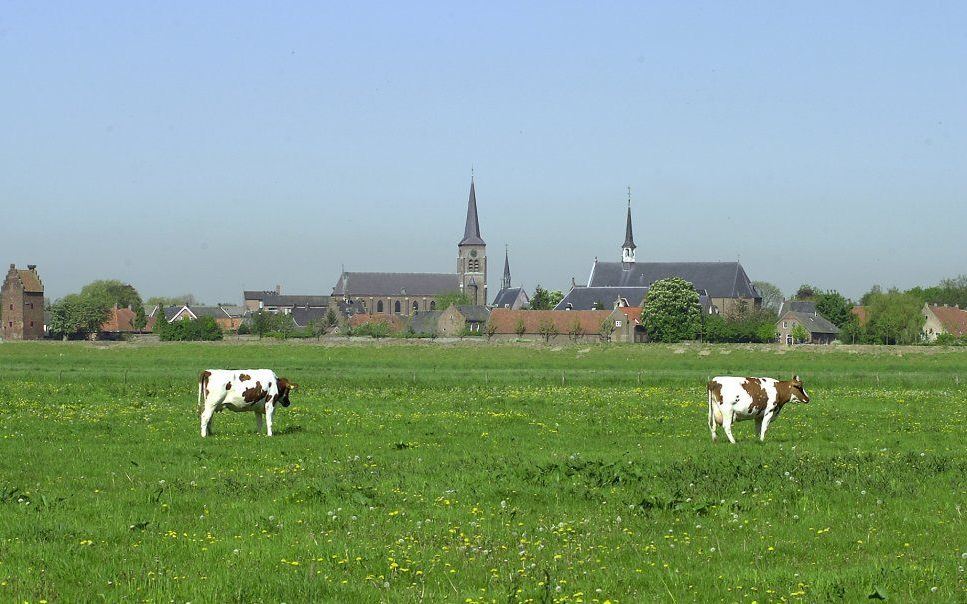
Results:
275 299
395 284
803 306
507 297
471 232
719 279
814 323
301 316
474 313
584 298
257 294
425 322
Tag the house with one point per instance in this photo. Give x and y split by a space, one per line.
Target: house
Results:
513 298
302 316
820 330
804 306
726 283
120 321
22 299
628 325
228 317
425 322
394 322
457 320
277 302
576 325
602 297
940 320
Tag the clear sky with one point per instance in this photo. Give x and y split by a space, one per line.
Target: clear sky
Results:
185 147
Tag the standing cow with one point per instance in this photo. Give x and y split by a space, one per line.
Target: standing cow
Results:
732 399
257 390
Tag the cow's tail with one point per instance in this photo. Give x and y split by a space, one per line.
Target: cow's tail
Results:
202 391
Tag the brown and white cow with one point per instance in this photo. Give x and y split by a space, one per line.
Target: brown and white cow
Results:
258 390
732 399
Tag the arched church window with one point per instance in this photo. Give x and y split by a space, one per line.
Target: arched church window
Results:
396 307
416 306
379 306
432 304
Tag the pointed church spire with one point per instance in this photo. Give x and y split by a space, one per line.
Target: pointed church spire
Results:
628 249
505 283
471 232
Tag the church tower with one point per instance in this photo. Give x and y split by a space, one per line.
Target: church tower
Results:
505 282
472 256
628 249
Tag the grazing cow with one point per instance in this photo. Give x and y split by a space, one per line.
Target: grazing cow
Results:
732 399
257 390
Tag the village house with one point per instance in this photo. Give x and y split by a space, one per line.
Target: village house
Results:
575 325
228 317
797 312
507 296
940 320
22 299
274 301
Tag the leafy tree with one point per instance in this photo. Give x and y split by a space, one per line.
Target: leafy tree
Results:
188 299
75 314
262 323
851 332
547 329
671 310
894 318
606 329
490 329
835 307
544 299
453 298
576 331
285 325
868 296
806 292
771 295
332 319
799 334
187 330
754 326
519 328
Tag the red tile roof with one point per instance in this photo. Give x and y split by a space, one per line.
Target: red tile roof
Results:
506 319
953 319
861 314
119 319
394 321
632 312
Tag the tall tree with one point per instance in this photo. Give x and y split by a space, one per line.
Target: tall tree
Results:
454 298
545 299
188 299
806 292
894 318
835 307
672 311
771 295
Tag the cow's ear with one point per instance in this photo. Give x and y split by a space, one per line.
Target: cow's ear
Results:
795 378
293 386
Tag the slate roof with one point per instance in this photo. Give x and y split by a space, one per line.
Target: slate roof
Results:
629 236
953 319
507 297
719 279
814 323
471 232
301 316
274 299
233 310
803 306
216 312
425 322
258 295
474 313
393 284
505 320
584 298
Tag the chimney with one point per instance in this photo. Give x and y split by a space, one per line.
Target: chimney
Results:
12 265
31 267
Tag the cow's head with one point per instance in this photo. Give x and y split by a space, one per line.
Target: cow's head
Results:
285 387
796 390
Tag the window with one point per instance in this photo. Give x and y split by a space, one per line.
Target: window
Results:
617 323
783 324
789 340
31 323
379 306
416 306
396 307
432 304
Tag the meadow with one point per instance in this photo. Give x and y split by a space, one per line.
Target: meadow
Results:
472 473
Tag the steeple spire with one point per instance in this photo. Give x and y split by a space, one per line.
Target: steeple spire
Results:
505 282
628 249
471 232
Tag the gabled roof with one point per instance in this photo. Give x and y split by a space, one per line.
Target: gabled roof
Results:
29 278
258 295
474 313
216 312
119 319
508 297
953 319
813 323
302 316
720 279
274 299
425 322
471 232
584 298
505 320
395 284
862 315
803 306
633 313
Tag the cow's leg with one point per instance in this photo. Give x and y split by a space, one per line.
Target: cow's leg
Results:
269 409
206 420
728 415
258 422
711 418
765 425
758 426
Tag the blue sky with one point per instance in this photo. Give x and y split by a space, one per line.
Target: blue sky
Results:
185 147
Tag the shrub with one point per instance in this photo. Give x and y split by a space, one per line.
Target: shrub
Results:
204 329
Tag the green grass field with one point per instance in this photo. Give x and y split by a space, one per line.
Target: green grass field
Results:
480 473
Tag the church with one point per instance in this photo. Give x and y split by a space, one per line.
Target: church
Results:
721 285
408 293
